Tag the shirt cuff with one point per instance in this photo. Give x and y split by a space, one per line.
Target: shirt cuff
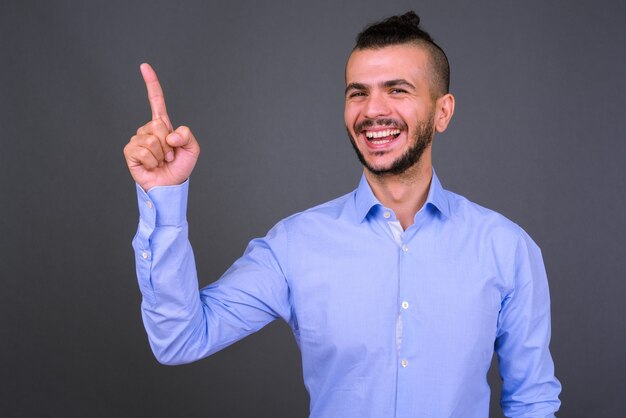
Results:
163 205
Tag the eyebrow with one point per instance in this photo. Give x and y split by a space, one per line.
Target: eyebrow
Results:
384 84
398 82
355 86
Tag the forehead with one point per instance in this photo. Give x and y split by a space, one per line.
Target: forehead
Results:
371 66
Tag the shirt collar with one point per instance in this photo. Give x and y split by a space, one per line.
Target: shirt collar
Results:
365 199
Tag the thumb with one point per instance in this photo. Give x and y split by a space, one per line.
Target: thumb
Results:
183 138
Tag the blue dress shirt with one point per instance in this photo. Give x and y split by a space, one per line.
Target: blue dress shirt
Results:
390 323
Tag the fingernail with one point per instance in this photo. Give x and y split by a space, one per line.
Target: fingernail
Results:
169 157
174 138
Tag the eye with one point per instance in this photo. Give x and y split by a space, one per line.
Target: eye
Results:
397 91
356 94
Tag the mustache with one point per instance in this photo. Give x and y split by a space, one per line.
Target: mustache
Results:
386 122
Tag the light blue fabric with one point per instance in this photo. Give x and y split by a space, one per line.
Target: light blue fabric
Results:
386 329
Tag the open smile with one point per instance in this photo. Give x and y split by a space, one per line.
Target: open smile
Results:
380 138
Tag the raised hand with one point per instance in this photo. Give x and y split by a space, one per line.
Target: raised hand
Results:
158 155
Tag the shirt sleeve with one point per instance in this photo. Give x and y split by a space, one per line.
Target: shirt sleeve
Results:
184 323
529 386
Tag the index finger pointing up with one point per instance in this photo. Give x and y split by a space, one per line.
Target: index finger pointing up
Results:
155 95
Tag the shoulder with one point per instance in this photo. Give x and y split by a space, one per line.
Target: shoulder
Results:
495 236
481 221
313 228
338 209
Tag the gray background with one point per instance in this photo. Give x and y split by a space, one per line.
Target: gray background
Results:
538 134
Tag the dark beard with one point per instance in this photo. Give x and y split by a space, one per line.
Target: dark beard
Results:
423 138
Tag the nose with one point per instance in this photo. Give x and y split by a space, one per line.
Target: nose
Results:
376 106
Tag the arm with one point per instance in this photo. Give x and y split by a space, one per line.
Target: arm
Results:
183 323
530 388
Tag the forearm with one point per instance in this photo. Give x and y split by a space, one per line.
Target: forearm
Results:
184 323
171 308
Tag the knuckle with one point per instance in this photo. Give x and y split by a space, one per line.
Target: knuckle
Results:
150 140
153 143
144 154
130 149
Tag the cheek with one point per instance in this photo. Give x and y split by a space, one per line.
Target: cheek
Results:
350 115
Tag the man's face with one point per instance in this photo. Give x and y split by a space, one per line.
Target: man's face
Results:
389 111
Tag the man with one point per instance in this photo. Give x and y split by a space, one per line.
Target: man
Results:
397 293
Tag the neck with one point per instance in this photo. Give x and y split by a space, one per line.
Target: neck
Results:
404 193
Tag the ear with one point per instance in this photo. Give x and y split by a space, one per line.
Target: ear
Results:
443 111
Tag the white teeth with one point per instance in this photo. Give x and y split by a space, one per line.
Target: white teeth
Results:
382 134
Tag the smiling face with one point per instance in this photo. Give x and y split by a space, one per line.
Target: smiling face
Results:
390 111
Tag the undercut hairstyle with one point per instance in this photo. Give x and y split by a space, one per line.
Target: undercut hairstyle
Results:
405 29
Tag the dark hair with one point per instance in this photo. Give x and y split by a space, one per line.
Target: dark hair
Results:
396 30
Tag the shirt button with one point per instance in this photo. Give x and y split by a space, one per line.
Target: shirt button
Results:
144 255
405 305
405 248
404 362
387 215
149 204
